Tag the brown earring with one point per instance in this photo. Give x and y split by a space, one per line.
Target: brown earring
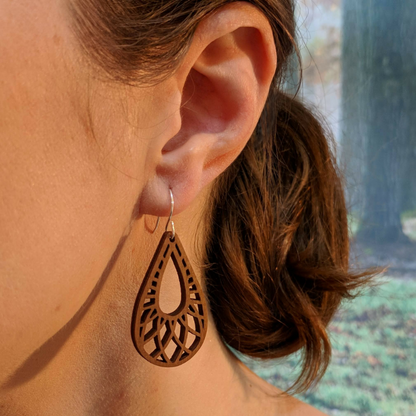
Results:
169 339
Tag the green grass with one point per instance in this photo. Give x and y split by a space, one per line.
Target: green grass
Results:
373 368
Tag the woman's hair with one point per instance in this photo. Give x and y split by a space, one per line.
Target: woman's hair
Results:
277 249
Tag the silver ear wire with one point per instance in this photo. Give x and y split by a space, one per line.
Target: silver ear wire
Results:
172 205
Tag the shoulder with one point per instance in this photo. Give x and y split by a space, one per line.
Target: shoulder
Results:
290 406
268 400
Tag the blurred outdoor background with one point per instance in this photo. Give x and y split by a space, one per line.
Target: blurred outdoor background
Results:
359 71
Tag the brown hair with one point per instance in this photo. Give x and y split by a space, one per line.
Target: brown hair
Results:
276 261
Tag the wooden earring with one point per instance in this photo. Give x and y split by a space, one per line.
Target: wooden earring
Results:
169 339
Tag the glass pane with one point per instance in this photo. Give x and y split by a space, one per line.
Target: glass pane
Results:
359 66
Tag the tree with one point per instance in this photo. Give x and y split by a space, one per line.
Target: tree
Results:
354 87
378 73
408 29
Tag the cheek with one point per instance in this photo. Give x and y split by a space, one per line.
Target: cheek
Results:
60 221
62 210
61 218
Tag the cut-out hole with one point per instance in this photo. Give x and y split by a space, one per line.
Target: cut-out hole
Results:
168 345
149 302
161 358
179 251
190 340
150 330
184 262
201 310
144 316
188 273
150 347
195 343
157 349
171 349
197 326
166 251
177 340
160 264
167 332
191 322
162 332
170 294
178 330
154 283
176 353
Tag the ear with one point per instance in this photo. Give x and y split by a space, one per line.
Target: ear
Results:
224 82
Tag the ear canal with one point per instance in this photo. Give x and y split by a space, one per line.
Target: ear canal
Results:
169 340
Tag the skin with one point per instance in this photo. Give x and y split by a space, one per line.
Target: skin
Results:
85 167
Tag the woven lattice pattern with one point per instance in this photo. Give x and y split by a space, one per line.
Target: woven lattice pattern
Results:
169 339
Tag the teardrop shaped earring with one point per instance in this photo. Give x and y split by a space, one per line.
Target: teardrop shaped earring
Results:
154 331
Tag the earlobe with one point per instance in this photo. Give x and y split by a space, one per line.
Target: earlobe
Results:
224 80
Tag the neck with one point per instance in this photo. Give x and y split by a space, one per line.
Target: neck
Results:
90 367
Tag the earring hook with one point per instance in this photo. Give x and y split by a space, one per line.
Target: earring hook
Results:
172 205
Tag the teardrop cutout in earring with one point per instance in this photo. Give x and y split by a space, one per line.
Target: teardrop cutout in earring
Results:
154 331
